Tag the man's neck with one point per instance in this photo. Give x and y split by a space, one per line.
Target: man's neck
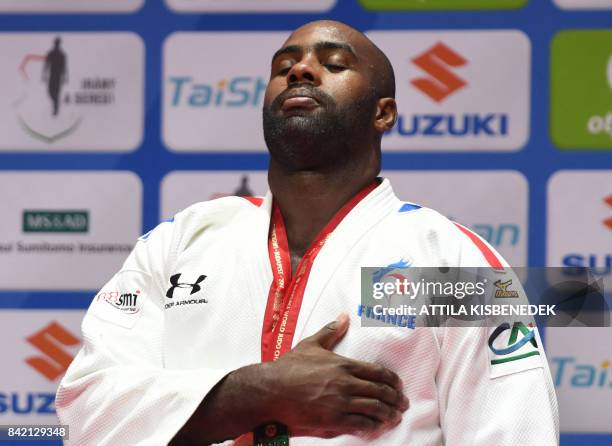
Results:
309 199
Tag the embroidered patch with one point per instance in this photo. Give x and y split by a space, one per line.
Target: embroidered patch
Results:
121 300
513 348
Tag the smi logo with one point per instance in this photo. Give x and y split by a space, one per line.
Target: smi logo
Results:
126 302
442 81
50 341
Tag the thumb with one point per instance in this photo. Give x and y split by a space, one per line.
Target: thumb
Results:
332 333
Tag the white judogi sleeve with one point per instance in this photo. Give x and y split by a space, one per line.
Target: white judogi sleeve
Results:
117 391
486 399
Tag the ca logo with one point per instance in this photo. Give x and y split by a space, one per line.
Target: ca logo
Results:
514 343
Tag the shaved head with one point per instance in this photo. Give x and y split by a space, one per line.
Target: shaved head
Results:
380 67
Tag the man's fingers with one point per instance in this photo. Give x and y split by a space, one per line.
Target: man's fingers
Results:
375 372
331 334
380 391
374 408
353 423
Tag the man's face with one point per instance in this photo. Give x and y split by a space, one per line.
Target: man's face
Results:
320 92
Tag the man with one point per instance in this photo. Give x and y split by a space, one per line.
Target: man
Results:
55 73
215 326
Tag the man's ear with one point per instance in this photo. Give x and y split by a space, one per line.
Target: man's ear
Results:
386 114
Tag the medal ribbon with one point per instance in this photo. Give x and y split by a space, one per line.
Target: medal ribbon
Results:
286 292
285 299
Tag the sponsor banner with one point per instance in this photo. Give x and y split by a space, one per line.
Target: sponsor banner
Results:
71 92
448 92
580 221
216 106
66 230
35 6
580 361
396 5
38 347
581 89
584 4
180 190
250 6
498 214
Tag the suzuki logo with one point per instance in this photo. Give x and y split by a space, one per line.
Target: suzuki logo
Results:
49 341
435 62
608 221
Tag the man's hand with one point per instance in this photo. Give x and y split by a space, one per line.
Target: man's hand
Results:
310 389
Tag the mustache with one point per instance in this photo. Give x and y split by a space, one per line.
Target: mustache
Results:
301 90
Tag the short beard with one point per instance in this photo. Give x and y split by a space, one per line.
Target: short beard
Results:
323 138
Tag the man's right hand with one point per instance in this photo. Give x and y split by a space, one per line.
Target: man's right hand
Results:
310 389
313 389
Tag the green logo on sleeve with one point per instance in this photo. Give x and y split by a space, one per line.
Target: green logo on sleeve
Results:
431 5
581 90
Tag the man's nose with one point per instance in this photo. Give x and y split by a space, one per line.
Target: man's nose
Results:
303 71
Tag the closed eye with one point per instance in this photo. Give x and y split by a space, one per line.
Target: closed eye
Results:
283 71
335 68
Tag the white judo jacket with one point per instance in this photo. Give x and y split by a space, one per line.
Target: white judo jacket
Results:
187 308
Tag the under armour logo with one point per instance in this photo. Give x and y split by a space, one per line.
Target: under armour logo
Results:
174 281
